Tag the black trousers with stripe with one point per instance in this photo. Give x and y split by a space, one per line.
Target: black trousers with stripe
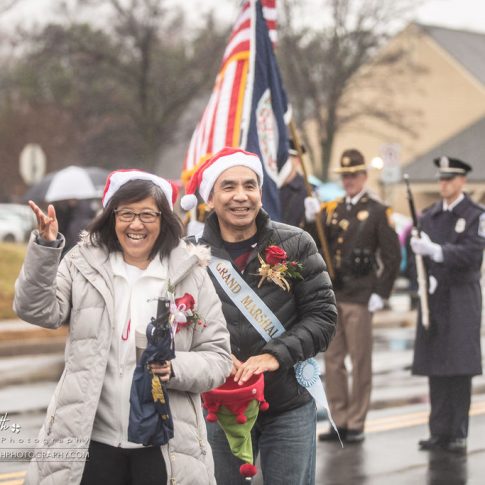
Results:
450 404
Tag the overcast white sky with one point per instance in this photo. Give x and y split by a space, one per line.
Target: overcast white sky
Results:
461 14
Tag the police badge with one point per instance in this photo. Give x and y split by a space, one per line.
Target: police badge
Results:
444 162
460 225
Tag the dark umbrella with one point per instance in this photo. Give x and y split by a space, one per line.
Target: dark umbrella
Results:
38 192
150 420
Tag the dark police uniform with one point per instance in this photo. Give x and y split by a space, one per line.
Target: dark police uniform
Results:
449 351
292 199
293 192
362 239
365 253
451 346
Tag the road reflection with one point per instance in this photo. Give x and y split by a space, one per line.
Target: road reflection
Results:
444 467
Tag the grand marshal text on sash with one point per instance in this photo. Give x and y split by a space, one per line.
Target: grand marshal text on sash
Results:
257 312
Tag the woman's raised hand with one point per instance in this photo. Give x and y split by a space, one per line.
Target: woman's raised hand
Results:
46 224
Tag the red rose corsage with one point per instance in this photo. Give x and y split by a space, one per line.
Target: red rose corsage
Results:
276 267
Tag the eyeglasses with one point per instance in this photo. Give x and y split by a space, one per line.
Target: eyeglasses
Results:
127 215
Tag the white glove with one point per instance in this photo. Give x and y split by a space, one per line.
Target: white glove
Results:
375 303
433 284
312 208
423 246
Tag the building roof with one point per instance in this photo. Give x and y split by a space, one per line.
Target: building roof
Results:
468 48
468 145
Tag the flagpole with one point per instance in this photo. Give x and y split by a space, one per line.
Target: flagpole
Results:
318 219
248 95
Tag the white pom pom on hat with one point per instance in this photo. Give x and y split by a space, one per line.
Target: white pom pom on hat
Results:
118 178
188 202
206 175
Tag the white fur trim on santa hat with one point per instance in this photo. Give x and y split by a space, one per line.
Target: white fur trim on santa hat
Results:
212 173
120 177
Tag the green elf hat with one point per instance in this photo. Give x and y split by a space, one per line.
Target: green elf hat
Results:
236 408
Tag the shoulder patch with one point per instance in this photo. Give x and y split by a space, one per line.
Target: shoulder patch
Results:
330 207
331 204
481 225
390 219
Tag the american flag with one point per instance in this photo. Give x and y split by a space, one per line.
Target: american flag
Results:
269 14
248 103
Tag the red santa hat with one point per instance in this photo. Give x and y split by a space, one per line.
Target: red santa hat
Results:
118 178
206 175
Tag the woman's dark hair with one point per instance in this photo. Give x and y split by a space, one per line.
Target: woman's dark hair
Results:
102 229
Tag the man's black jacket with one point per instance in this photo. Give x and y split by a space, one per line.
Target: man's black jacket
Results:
308 312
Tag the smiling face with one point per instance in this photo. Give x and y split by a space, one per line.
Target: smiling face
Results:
137 238
236 199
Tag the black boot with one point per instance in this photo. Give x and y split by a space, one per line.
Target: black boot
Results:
432 443
332 435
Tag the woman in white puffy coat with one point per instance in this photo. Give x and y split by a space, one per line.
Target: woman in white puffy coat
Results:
106 288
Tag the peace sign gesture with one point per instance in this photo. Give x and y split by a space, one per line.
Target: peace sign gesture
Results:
46 224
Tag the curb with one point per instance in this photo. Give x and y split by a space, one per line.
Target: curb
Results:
392 318
19 338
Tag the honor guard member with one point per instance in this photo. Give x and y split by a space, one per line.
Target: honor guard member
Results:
448 352
365 255
293 191
280 311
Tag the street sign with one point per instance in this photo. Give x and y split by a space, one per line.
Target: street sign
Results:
32 163
391 156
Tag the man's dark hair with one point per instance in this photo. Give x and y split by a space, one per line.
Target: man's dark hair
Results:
102 229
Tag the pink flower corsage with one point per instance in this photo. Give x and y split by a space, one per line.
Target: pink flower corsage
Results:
184 314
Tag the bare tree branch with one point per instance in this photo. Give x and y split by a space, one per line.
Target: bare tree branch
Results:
119 89
323 65
6 5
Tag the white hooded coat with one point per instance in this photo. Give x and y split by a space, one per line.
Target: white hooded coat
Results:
79 291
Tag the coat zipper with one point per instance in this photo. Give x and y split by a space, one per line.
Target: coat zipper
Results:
201 441
54 412
170 464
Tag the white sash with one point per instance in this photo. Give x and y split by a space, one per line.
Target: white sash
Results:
267 325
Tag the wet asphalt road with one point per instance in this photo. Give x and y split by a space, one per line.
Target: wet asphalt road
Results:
392 457
388 456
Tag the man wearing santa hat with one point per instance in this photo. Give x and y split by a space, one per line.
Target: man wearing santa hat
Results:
280 310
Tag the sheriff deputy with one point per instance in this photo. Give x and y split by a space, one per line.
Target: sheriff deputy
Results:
365 253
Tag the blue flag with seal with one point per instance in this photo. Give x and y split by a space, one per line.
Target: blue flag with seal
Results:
264 129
